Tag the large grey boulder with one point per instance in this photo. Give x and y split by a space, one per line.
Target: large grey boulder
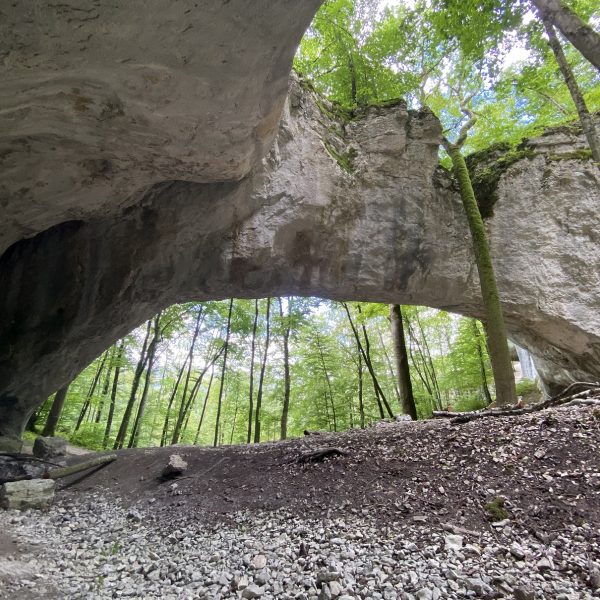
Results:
31 493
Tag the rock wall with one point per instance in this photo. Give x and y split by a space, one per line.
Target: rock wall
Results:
346 209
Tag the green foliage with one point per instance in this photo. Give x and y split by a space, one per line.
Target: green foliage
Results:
526 386
89 436
468 404
324 365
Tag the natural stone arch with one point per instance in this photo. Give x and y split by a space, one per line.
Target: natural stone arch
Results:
345 210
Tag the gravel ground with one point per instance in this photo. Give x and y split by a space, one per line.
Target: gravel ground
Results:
408 511
99 549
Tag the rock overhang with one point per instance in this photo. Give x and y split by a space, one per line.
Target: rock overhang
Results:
345 209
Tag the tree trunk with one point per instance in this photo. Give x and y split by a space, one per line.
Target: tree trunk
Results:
193 394
190 361
165 430
137 425
580 34
361 405
499 353
55 411
380 396
88 398
212 375
106 386
389 365
252 352
403 371
286 368
587 122
328 380
113 395
141 365
428 363
224 367
484 382
261 378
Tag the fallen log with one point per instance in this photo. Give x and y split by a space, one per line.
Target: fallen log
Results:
97 461
560 399
320 455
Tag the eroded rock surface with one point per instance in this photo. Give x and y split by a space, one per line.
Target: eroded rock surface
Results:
345 209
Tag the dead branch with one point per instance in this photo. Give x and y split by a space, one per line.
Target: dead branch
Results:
320 455
559 400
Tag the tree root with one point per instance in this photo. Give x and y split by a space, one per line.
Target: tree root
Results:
565 398
320 455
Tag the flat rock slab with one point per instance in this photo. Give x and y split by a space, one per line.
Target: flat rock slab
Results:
31 493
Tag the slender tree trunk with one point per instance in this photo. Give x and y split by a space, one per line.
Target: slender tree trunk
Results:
137 424
89 395
237 405
188 405
252 352
261 378
165 430
158 399
113 395
190 359
413 359
361 405
328 380
222 382
404 383
499 352
106 386
141 365
286 368
212 375
580 34
429 362
587 122
380 396
484 382
389 365
55 411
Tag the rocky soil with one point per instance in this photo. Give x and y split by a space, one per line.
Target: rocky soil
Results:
496 508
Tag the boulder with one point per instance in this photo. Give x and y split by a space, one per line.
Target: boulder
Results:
176 466
53 449
14 468
31 493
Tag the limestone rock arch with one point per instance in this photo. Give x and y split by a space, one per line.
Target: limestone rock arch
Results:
121 214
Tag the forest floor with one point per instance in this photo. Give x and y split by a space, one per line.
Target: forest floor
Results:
496 508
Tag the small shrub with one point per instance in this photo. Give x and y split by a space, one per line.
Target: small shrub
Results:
468 404
526 386
89 435
495 510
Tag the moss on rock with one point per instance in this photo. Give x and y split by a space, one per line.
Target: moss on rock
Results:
487 167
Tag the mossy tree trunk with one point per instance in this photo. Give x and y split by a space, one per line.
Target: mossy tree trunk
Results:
498 343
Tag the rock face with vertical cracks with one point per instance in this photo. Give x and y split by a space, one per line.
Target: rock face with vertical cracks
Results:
179 207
